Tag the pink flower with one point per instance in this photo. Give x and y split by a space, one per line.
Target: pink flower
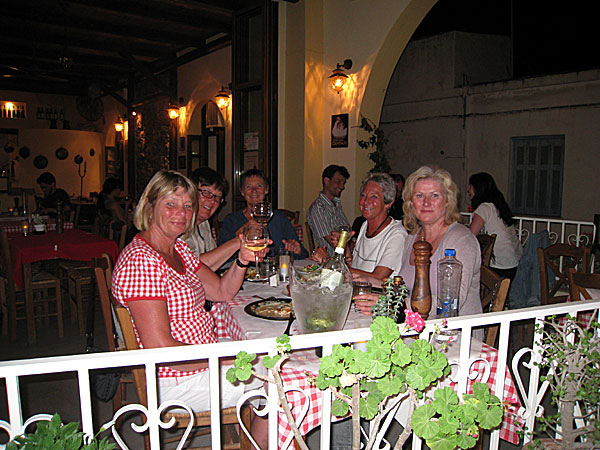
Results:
444 322
475 435
414 320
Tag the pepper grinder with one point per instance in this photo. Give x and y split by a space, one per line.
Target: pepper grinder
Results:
420 299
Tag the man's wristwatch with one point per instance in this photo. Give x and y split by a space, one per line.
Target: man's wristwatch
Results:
241 264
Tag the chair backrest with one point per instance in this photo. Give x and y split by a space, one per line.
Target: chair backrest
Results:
486 243
309 241
118 232
580 282
103 273
131 344
6 267
494 290
293 216
557 259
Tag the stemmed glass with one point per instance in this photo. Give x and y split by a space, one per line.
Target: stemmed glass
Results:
262 212
256 238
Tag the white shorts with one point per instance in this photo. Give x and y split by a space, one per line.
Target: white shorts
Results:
193 390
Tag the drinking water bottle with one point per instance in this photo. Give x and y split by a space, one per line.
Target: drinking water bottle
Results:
449 274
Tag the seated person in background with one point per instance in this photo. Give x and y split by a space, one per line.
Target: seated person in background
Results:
396 209
431 213
164 287
380 242
493 215
109 206
48 204
212 189
325 214
255 187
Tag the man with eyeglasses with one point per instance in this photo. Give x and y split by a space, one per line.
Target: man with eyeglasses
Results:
212 188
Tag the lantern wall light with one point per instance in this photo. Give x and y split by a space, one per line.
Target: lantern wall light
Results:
338 77
222 98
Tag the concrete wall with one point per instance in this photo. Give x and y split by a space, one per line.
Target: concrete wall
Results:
468 129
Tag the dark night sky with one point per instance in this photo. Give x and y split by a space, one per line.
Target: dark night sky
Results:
548 37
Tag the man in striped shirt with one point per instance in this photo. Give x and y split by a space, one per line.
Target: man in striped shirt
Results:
325 214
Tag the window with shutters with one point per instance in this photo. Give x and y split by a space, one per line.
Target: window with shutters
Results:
537 175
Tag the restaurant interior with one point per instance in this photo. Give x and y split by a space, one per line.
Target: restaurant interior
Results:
91 90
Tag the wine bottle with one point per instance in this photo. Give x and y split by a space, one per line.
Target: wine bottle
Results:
334 271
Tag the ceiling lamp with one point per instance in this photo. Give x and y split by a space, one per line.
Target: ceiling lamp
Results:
338 78
222 98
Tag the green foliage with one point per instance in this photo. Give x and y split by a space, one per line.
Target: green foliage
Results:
389 370
53 435
376 142
572 350
390 303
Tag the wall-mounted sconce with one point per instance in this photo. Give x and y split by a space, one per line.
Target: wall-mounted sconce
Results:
173 111
338 78
119 125
222 98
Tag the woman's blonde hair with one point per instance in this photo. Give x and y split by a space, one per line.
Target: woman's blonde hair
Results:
164 182
411 223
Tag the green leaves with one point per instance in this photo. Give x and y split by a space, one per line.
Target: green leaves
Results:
242 367
53 435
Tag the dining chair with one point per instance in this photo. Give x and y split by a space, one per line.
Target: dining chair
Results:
554 262
13 299
493 292
310 241
293 216
486 243
579 283
201 419
114 340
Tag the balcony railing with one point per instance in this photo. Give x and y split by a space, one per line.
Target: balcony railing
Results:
531 397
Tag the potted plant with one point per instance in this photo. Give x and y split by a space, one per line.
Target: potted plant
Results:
370 384
376 142
53 434
570 359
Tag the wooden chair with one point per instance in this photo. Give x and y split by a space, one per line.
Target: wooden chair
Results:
13 300
486 243
494 290
556 260
580 282
201 419
118 233
293 216
309 240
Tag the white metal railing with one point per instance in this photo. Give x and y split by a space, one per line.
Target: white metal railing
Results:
531 397
564 231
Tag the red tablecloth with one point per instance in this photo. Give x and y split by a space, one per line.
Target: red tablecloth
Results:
228 327
74 244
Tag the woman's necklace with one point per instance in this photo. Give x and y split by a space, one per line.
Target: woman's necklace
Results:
374 233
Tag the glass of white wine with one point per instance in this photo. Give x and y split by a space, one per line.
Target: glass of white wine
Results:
262 212
256 238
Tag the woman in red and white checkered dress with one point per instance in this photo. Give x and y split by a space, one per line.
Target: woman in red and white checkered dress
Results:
164 287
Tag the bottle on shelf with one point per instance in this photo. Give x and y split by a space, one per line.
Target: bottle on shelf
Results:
334 271
60 225
449 275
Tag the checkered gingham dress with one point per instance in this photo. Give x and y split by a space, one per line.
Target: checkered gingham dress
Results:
142 274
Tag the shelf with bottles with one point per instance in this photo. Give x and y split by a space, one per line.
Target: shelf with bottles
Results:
13 110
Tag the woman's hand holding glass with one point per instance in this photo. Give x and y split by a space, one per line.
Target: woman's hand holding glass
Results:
256 240
363 303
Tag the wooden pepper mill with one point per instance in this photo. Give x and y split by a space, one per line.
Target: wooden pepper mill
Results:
420 298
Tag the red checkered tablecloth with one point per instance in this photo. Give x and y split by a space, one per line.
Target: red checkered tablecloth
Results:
18 227
228 327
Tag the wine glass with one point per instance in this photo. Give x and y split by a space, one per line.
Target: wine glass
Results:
256 238
262 212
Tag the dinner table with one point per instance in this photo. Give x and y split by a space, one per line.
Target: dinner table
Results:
234 321
72 244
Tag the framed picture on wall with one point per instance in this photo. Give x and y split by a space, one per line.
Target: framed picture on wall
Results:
9 139
339 130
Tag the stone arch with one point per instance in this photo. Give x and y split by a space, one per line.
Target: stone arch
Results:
385 62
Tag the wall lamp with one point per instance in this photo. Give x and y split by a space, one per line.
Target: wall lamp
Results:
222 98
173 111
338 78
119 125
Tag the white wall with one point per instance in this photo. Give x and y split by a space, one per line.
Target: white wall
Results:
424 116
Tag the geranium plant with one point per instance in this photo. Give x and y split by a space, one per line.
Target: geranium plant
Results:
570 359
371 384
